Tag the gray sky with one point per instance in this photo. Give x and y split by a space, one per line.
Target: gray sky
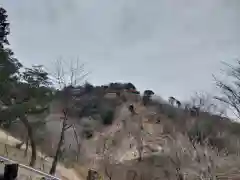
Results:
170 46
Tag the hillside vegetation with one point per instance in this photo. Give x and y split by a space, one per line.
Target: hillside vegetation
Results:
151 140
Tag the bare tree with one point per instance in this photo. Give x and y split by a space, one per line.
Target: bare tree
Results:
139 140
108 172
16 112
66 81
230 90
77 138
147 95
205 102
65 126
194 111
35 126
32 141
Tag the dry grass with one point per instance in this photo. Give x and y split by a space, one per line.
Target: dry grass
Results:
7 149
180 161
180 158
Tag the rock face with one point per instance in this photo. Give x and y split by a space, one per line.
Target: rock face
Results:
128 136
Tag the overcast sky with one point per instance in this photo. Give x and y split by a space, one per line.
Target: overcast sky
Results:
170 46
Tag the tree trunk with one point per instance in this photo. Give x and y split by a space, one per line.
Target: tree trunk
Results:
26 149
78 144
58 151
32 142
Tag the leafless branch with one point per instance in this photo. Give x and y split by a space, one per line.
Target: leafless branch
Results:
67 127
65 79
230 90
108 174
231 97
77 140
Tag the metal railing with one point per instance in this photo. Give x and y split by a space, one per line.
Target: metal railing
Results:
46 175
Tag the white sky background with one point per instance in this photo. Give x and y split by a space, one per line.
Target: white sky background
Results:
170 46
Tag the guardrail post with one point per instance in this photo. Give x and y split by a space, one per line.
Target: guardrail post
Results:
14 166
10 171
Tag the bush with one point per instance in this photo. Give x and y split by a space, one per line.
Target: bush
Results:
234 128
195 134
169 111
218 143
87 133
145 100
172 115
107 117
88 87
88 109
130 86
201 130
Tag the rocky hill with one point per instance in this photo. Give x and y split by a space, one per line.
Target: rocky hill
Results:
162 141
120 136
170 148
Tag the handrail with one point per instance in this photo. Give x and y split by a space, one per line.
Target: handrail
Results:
3 159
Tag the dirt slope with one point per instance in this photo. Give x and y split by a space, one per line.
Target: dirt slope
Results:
7 149
165 150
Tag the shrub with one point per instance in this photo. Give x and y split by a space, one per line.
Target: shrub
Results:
201 130
88 109
195 134
147 95
88 87
130 86
234 128
145 100
107 117
172 115
123 97
87 133
169 111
